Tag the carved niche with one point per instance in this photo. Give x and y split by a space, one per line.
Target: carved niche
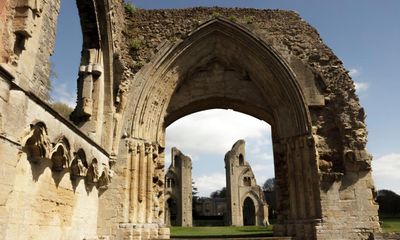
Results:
79 165
60 155
38 145
93 173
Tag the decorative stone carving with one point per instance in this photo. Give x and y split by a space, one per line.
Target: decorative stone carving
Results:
93 173
79 165
38 145
105 178
61 155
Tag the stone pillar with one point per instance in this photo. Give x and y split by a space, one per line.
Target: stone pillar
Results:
149 184
142 184
89 72
133 210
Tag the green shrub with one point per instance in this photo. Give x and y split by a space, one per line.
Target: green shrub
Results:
233 18
129 7
215 14
249 20
135 44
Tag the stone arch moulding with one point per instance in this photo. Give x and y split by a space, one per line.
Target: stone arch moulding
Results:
223 65
238 71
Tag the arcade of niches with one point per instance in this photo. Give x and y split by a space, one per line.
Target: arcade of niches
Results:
100 175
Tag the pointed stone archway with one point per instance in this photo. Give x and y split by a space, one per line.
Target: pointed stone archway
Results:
249 212
224 65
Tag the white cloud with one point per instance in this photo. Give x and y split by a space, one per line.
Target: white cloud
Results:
354 72
61 93
214 131
361 86
386 171
207 184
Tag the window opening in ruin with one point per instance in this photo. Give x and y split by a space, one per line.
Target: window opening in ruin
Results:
241 160
19 44
206 137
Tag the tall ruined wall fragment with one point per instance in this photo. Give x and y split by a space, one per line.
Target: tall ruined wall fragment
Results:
178 190
241 185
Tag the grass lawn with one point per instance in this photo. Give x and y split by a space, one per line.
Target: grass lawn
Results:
220 231
391 224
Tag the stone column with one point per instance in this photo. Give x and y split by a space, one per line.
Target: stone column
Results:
149 185
142 184
135 152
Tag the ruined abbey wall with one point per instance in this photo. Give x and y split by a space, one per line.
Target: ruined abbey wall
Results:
241 184
323 171
52 173
338 164
41 198
28 39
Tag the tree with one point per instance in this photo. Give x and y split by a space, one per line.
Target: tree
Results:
389 202
62 108
219 193
194 192
269 185
270 196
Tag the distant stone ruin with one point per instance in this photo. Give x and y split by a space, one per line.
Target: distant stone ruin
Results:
178 190
245 199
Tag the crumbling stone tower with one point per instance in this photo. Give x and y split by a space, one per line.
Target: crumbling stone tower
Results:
178 190
245 200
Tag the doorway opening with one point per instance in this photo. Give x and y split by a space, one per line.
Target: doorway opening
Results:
207 137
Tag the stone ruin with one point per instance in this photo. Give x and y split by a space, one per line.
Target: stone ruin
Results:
103 177
246 204
178 190
245 201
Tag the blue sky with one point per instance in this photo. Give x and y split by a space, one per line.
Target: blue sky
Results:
364 34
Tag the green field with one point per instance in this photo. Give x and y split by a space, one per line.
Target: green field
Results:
390 224
220 231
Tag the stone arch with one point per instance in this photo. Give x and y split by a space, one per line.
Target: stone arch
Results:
159 103
222 64
95 98
249 212
258 204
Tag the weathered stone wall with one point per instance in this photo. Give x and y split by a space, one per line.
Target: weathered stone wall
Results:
44 192
28 36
